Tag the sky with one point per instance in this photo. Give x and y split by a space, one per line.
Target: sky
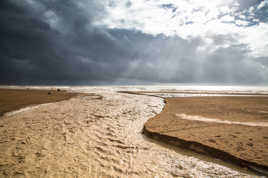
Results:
91 42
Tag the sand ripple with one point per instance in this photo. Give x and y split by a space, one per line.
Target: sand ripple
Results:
93 137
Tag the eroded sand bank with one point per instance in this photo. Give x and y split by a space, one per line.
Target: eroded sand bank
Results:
93 137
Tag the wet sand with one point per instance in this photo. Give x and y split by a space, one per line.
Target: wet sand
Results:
89 136
232 128
14 99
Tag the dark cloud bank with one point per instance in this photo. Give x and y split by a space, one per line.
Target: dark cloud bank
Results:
36 50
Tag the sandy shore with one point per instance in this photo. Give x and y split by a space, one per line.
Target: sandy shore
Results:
232 128
14 99
89 136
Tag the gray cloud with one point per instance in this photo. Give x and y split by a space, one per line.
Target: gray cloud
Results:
56 42
246 4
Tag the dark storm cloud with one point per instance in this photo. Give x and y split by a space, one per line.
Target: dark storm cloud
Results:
56 42
32 50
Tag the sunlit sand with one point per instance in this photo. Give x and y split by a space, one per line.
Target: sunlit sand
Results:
95 135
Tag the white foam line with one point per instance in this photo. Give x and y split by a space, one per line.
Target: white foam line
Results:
205 119
11 113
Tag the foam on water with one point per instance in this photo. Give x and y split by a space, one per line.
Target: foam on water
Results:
173 87
213 120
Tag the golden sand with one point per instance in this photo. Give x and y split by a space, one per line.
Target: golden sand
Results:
227 125
94 135
14 99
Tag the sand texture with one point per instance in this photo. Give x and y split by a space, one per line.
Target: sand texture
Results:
89 136
14 99
234 127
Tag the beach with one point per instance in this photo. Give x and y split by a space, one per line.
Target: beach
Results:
15 99
97 133
232 128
